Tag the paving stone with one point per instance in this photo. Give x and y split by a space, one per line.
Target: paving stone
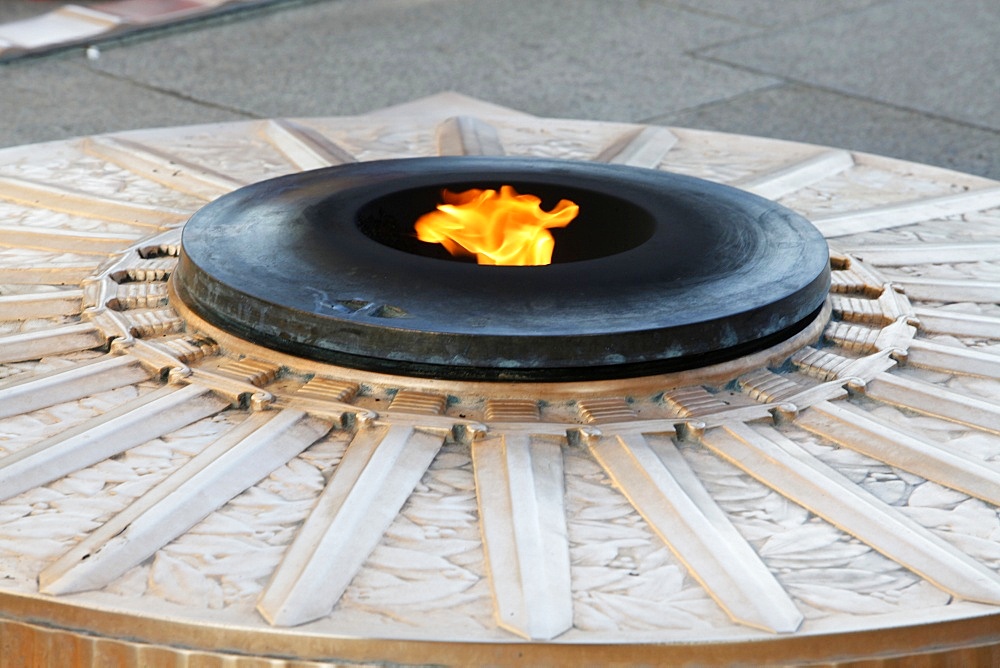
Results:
939 58
821 117
55 99
586 59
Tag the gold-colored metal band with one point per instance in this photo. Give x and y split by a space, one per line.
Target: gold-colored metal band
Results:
35 630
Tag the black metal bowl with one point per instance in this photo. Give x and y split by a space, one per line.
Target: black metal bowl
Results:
660 272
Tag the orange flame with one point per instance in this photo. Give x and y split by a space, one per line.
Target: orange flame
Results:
503 228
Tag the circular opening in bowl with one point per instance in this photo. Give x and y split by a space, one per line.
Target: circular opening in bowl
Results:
606 225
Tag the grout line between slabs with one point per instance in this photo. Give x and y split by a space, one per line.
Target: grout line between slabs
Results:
169 92
786 81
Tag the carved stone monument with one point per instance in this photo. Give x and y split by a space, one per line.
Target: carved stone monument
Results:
176 495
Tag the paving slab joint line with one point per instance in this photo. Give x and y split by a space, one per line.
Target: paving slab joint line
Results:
765 27
812 86
662 119
208 104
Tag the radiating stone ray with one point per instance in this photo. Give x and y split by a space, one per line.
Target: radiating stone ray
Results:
904 213
79 243
87 205
78 381
121 428
53 341
520 489
948 290
934 400
904 255
374 479
238 459
646 146
46 274
956 323
789 178
303 146
163 168
952 359
468 135
51 304
782 465
666 492
854 429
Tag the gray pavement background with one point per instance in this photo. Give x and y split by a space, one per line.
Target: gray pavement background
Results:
914 79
